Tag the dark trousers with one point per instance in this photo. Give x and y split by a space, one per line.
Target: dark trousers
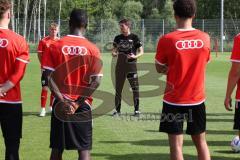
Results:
122 73
11 125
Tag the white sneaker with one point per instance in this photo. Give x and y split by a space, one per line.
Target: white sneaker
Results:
43 112
136 113
50 110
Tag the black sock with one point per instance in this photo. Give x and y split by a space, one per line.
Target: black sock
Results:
136 104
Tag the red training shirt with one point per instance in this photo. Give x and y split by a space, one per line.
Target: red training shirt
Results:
74 60
14 55
186 53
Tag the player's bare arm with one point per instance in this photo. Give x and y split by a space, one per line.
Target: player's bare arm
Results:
161 68
94 84
5 88
114 52
53 86
140 52
233 78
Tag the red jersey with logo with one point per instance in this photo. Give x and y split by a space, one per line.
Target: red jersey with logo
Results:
44 44
186 53
74 60
14 55
235 57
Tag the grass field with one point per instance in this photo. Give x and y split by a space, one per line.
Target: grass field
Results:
116 139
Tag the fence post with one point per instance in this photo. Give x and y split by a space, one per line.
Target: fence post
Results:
163 26
203 25
222 26
101 36
59 17
143 32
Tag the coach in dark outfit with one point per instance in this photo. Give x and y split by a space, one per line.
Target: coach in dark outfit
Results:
128 48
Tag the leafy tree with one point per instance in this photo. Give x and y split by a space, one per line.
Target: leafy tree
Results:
132 10
155 14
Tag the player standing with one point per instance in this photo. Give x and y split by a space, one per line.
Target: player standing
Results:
73 48
42 47
183 56
128 48
233 81
13 59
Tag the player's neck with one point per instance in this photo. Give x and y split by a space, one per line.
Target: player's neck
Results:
53 37
184 24
127 33
3 24
77 32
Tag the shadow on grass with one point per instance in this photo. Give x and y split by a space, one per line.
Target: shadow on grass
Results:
25 114
226 152
208 132
165 143
219 120
219 114
151 156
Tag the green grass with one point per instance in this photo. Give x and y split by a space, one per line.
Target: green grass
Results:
116 139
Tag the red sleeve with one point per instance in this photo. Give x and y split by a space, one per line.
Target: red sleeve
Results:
96 63
20 64
208 45
161 55
235 57
48 59
40 47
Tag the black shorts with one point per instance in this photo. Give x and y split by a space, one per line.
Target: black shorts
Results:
236 125
173 117
71 135
44 79
11 120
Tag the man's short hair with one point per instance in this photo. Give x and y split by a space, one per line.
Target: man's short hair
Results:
53 25
185 8
125 21
78 18
4 6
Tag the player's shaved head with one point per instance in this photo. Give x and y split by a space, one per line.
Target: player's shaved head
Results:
78 19
5 5
185 8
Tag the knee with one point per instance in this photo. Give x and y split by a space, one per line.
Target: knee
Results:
12 143
199 140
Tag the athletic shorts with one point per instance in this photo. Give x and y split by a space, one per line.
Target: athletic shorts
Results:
11 120
236 125
44 79
173 118
71 135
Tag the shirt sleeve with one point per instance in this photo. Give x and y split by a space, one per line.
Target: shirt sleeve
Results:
115 42
23 55
48 59
137 42
235 57
40 47
161 55
22 60
208 45
96 63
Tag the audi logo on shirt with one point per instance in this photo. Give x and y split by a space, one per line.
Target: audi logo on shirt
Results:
189 44
3 43
74 50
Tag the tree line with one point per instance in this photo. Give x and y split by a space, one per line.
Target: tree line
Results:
31 15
